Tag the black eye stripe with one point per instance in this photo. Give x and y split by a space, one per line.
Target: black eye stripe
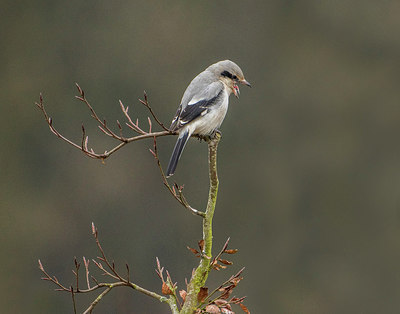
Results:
228 74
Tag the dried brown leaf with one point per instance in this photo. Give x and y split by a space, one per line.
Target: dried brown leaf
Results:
235 280
217 266
231 251
227 291
201 245
244 308
212 309
220 302
183 294
203 293
237 300
226 262
195 252
166 290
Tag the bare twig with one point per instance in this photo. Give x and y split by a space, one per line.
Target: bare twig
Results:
76 272
146 103
132 125
73 299
103 126
86 263
52 279
104 258
216 258
97 300
176 191
107 286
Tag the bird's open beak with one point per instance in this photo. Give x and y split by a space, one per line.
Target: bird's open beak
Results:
236 90
244 82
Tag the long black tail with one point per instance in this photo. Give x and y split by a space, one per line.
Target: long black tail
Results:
176 154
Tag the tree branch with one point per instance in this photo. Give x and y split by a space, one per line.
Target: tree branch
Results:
196 299
107 286
200 275
103 126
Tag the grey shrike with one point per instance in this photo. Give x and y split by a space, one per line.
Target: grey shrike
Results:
204 105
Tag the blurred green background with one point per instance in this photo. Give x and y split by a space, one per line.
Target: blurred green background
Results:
309 161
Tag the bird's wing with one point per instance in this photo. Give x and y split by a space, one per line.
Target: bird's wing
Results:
197 105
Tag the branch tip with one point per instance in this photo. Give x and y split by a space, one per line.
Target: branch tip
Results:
80 90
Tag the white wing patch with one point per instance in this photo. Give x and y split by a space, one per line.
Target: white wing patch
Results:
193 101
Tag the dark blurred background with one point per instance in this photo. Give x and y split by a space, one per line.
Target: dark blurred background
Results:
309 161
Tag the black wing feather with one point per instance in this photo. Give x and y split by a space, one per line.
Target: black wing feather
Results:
192 112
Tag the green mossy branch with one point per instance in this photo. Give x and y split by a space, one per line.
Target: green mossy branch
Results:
200 275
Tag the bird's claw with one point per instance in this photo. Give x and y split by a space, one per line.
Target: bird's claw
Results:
215 133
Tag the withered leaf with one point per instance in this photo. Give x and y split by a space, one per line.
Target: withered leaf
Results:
226 294
244 308
203 293
231 251
166 290
226 262
216 266
236 280
220 302
228 290
183 293
212 309
237 300
195 252
227 306
201 245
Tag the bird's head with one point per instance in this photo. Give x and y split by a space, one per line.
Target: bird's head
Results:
230 74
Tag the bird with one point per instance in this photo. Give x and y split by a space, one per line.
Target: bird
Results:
204 105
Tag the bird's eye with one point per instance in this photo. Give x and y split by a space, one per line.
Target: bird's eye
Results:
234 77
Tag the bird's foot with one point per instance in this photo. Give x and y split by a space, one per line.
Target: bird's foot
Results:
209 137
202 137
217 132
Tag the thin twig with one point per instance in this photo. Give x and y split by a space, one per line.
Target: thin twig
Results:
223 284
108 286
86 263
83 146
146 103
215 259
73 299
103 256
176 191
134 126
97 300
